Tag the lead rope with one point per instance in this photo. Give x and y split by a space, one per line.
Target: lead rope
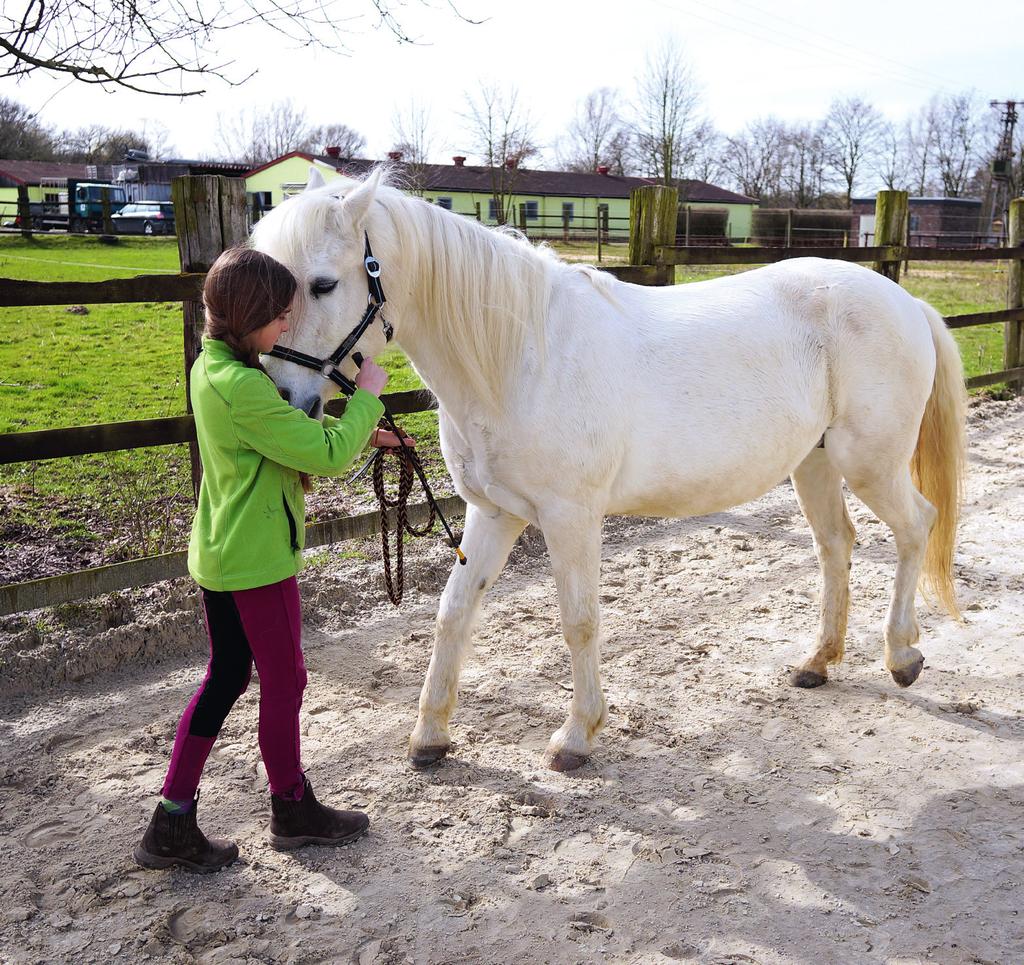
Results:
399 504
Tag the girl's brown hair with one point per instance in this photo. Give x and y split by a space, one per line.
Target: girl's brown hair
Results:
245 290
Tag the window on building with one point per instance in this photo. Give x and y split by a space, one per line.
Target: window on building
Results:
567 211
492 209
445 203
532 212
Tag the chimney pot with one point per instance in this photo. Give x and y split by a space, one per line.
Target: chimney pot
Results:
512 163
602 169
395 155
334 151
459 160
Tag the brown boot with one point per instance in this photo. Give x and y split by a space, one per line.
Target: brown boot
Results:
175 839
294 824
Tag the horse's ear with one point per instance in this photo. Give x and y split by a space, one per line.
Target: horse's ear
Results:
316 179
357 201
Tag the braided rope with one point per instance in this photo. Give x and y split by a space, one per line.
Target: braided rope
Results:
399 503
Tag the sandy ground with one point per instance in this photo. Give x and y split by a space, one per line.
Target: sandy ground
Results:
725 818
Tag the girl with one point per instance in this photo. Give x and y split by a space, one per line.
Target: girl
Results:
244 552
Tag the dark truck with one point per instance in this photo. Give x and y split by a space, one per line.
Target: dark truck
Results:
75 206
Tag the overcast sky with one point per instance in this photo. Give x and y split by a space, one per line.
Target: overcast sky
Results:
788 58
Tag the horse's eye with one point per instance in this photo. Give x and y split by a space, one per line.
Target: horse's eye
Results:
323 286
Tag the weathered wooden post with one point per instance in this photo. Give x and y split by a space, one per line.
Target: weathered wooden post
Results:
789 227
1013 332
565 224
653 210
686 233
210 216
891 211
108 225
476 208
24 211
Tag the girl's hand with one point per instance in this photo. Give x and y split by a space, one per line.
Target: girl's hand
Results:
386 439
371 377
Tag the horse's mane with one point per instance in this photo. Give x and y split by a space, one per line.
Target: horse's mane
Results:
484 291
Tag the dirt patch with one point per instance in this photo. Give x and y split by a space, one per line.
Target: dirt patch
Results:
725 818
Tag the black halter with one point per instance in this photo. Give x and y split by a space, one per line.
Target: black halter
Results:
328 367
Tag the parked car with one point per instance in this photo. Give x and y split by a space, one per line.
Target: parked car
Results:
145 218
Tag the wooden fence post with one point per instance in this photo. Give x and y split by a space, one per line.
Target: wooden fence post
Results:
652 221
1013 332
24 211
653 212
891 211
108 225
210 216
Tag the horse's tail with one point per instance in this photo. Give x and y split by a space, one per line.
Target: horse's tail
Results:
939 460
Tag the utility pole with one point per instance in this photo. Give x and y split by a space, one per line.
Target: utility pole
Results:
1003 186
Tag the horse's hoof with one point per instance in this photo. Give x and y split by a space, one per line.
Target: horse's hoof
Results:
905 676
428 756
807 678
565 761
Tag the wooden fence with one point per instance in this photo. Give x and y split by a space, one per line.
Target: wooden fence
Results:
210 213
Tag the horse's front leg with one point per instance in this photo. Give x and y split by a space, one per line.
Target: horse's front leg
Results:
574 544
489 537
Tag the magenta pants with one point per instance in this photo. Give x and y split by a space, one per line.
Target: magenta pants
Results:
262 625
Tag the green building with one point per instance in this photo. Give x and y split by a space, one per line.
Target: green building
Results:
545 204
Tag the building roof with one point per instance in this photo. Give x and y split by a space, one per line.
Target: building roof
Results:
971 201
30 172
526 181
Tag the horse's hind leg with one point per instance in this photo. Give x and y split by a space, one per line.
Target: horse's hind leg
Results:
879 475
819 488
489 537
910 516
574 544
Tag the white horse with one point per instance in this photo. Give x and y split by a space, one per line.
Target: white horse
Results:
566 395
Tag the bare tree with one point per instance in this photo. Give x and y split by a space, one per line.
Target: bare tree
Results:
503 137
667 114
596 136
99 144
957 128
804 174
168 48
254 137
919 134
852 134
413 139
349 142
22 136
708 155
894 162
755 158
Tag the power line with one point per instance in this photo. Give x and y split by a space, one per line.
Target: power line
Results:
827 56
924 74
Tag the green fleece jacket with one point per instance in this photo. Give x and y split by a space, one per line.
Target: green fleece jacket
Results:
249 527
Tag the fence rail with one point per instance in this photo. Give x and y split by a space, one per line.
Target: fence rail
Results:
141 288
716 255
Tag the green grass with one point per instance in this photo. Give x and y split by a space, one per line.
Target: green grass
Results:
124 362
